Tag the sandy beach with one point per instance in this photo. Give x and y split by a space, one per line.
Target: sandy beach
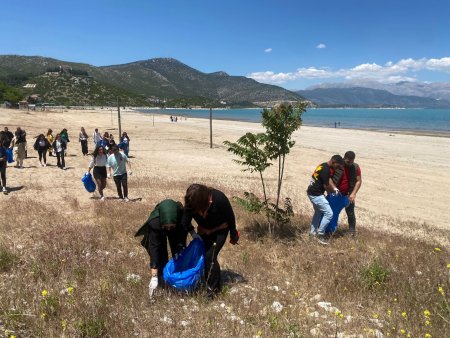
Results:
402 190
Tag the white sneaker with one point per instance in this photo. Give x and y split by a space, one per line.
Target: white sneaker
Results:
42 164
5 191
102 198
45 164
126 199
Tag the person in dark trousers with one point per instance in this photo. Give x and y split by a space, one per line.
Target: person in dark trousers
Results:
125 141
3 161
117 163
83 138
59 146
164 223
212 211
65 139
41 145
348 180
321 182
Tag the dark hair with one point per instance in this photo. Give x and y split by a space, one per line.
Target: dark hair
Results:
350 155
338 159
114 148
49 131
95 153
197 198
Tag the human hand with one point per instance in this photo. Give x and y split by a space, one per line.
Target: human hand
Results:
352 198
152 286
336 192
234 237
195 235
203 231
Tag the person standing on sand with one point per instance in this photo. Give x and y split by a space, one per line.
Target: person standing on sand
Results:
212 211
20 141
3 161
164 223
41 145
125 140
348 180
60 147
98 162
96 137
117 163
8 137
65 139
50 140
320 181
83 138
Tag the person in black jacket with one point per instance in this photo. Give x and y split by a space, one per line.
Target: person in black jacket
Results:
41 146
212 211
59 146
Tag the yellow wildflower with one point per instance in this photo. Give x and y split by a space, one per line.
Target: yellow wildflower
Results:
437 249
259 333
336 312
44 293
426 313
12 336
70 290
427 335
389 312
441 290
341 316
395 299
64 325
448 265
43 315
296 293
427 323
404 315
375 316
408 335
402 331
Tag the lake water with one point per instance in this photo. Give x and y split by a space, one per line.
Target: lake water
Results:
431 120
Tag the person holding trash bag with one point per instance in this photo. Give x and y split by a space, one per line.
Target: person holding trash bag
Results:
164 223
98 162
41 145
212 211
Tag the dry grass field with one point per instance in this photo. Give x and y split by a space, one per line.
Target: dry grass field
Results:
70 266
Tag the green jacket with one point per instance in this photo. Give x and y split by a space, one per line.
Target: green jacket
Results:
168 211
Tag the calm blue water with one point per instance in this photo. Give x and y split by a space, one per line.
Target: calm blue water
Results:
433 120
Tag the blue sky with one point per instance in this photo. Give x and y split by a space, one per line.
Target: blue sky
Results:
290 43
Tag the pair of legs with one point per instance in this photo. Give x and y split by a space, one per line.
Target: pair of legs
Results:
42 156
84 147
60 159
350 210
121 181
3 176
213 245
322 214
155 242
100 179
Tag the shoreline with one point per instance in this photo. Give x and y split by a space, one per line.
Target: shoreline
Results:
414 132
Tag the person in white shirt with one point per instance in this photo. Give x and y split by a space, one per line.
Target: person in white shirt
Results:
59 146
117 164
98 162
97 137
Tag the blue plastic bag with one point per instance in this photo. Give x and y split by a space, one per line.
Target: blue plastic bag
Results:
88 182
9 155
185 272
337 203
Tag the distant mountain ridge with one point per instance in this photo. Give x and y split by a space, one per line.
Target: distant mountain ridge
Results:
159 78
345 95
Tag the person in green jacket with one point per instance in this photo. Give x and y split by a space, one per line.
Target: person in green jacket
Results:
164 223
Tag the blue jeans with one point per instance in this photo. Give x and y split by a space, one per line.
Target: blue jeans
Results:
322 214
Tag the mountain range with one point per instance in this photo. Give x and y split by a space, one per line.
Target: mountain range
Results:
151 80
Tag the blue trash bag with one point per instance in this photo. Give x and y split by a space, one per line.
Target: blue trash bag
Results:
337 203
9 155
88 182
185 272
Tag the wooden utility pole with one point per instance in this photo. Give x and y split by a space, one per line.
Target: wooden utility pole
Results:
118 115
210 127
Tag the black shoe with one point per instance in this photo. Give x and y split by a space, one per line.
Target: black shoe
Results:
322 240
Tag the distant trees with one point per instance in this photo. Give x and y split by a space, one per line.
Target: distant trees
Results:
67 70
9 94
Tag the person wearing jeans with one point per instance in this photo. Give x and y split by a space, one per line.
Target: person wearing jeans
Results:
3 162
59 147
117 164
321 181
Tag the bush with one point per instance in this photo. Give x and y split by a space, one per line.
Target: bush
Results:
375 275
7 260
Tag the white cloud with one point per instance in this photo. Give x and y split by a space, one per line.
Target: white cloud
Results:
267 50
403 70
321 46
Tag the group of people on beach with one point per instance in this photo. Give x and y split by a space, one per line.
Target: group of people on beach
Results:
56 146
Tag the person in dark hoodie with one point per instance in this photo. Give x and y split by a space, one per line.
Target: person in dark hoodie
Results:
41 146
164 223
212 211
59 146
